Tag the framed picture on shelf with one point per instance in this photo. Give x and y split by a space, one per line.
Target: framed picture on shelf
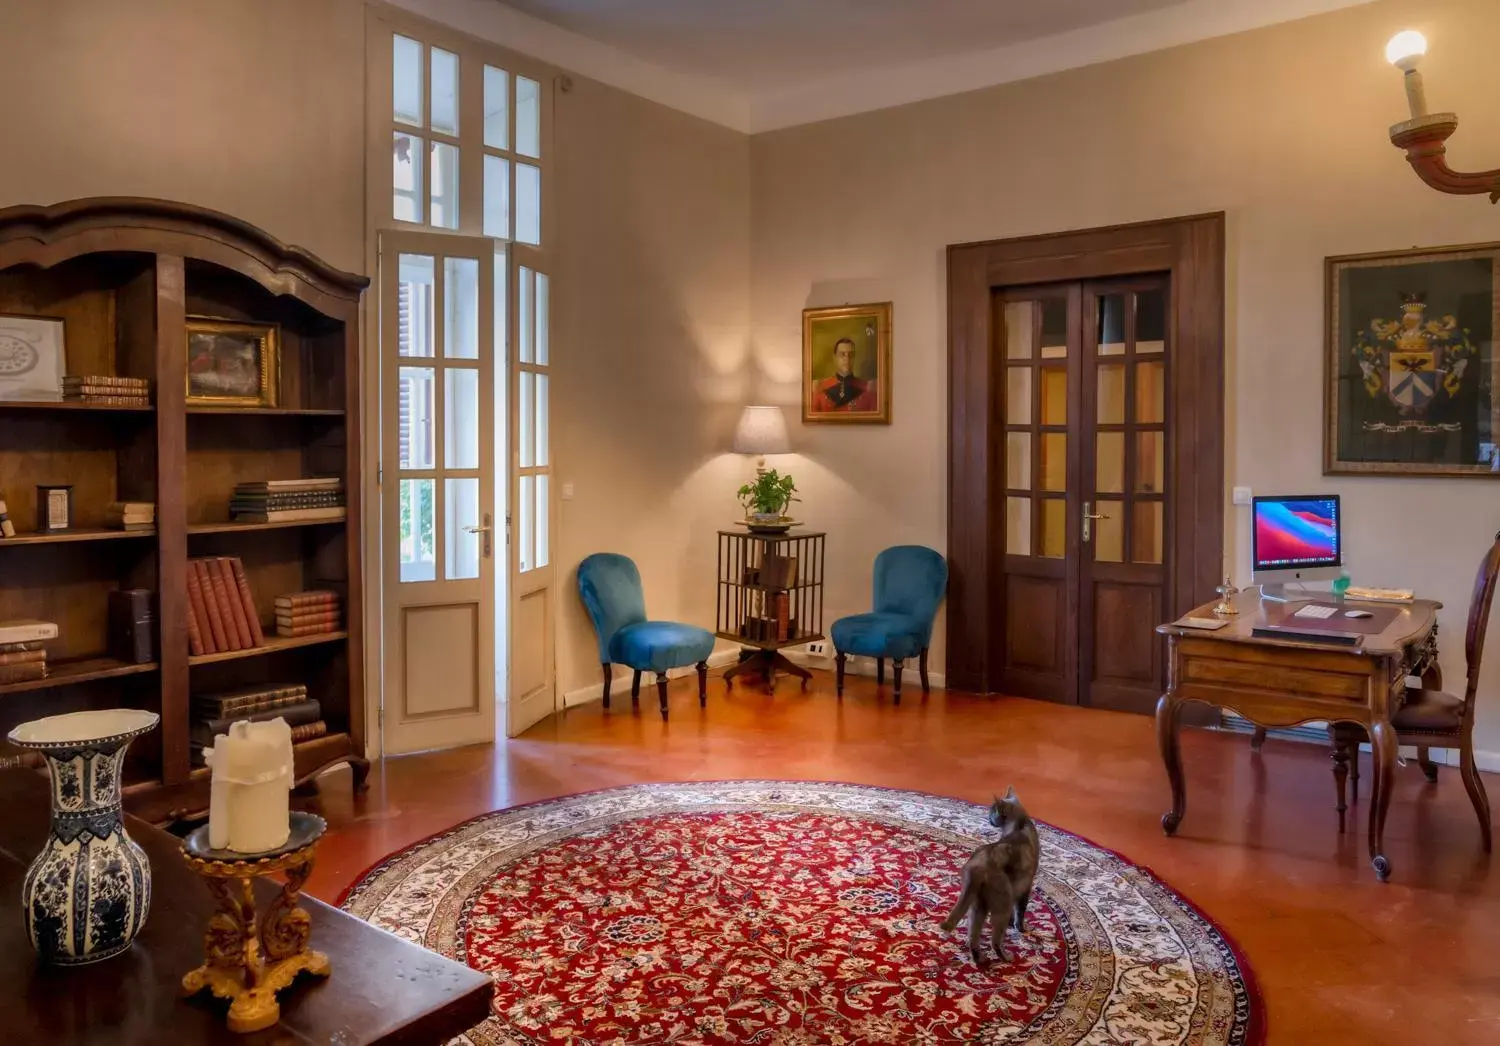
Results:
846 364
1411 368
31 358
232 364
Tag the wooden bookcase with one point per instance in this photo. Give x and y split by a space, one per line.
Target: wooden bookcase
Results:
123 274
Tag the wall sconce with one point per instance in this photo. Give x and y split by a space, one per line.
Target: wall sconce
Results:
1424 134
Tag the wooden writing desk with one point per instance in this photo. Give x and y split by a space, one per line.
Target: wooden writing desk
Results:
1276 682
383 990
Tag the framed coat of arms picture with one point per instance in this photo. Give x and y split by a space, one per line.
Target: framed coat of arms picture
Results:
846 364
1412 364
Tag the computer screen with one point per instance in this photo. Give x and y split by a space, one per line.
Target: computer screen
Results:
1294 532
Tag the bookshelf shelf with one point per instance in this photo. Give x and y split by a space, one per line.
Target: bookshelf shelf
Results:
45 405
58 537
271 412
232 527
274 645
79 670
308 753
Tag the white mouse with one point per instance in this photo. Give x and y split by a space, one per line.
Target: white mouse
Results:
1358 613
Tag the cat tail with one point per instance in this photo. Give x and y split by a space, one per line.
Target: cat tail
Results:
966 899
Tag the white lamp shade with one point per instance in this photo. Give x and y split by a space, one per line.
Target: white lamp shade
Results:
1405 48
762 430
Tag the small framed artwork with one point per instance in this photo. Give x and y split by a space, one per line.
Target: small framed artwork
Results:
31 358
846 364
232 364
1410 376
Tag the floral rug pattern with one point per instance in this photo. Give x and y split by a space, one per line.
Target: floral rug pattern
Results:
793 914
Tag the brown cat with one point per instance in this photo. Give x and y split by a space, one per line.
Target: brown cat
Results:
997 878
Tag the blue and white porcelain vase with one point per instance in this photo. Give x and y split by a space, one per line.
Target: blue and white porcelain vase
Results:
87 893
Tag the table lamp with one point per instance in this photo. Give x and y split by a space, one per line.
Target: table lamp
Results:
761 431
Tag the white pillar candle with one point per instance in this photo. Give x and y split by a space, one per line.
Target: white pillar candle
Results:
250 801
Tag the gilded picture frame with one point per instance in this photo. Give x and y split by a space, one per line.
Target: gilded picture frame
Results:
1411 365
232 364
846 365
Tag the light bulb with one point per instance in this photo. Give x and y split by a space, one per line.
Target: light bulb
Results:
1405 49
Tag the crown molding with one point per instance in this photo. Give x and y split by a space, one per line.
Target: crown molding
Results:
867 90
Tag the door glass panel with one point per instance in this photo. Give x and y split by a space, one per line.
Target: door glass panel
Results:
502 315
1018 526
1111 393
526 301
1054 528
406 81
1150 392
1109 532
541 424
1147 540
461 418
541 521
1020 319
461 319
496 197
444 91
417 534
1150 462
461 553
496 108
526 448
1054 470
528 117
1018 460
1018 395
1109 463
1150 321
1054 329
1112 325
525 516
528 203
444 185
415 411
1054 396
541 318
414 315
407 203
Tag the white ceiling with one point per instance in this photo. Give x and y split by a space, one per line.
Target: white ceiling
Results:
759 65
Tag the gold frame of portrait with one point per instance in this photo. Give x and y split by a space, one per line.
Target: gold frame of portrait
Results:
881 415
270 362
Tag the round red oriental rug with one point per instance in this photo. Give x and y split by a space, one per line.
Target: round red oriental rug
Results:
790 913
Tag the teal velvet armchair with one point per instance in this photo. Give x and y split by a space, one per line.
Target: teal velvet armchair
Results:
909 584
610 586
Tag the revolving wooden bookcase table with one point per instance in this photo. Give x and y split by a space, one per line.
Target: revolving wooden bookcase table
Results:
769 598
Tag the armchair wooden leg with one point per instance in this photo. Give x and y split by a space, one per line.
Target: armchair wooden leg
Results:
1475 786
922 668
839 657
896 677
880 671
609 677
702 684
1429 768
661 692
1257 739
635 687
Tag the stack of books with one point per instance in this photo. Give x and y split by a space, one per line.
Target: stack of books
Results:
307 613
130 515
221 608
23 656
288 500
213 714
107 390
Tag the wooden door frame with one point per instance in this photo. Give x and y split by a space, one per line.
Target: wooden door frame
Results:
1191 251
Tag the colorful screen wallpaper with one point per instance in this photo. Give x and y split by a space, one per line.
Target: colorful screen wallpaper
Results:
1296 532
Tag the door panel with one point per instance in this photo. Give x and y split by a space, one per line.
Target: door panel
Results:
437 404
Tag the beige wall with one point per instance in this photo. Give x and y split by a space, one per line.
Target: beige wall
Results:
1282 128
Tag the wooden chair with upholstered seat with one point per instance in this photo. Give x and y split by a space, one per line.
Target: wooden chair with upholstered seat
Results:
1431 718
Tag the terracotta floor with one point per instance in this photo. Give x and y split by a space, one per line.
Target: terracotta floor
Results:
1340 957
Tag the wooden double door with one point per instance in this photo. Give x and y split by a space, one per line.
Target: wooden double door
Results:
1084 541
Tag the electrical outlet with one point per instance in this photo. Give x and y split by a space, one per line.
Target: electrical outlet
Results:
818 649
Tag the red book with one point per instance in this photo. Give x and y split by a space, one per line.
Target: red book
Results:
200 639
299 600
220 590
23 673
21 657
252 617
211 604
233 605
310 618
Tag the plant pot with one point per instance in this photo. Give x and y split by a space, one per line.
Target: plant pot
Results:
87 893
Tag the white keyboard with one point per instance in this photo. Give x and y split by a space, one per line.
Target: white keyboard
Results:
1319 612
1379 595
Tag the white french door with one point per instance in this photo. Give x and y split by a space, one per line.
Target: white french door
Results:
532 689
438 457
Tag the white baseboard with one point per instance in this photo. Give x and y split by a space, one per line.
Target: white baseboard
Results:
865 666
595 691
1486 760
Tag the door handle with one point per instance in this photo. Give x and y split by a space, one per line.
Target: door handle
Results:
484 528
1088 520
477 530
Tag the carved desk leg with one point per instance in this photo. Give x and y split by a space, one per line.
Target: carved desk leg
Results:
1168 719
1383 748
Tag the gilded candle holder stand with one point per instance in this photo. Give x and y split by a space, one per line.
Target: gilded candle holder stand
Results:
1225 607
249 957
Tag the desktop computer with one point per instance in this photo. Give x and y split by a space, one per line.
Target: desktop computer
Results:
1294 539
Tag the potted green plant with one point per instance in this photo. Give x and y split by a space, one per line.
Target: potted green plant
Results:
766 499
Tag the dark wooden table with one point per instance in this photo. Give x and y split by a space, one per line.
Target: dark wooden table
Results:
383 990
